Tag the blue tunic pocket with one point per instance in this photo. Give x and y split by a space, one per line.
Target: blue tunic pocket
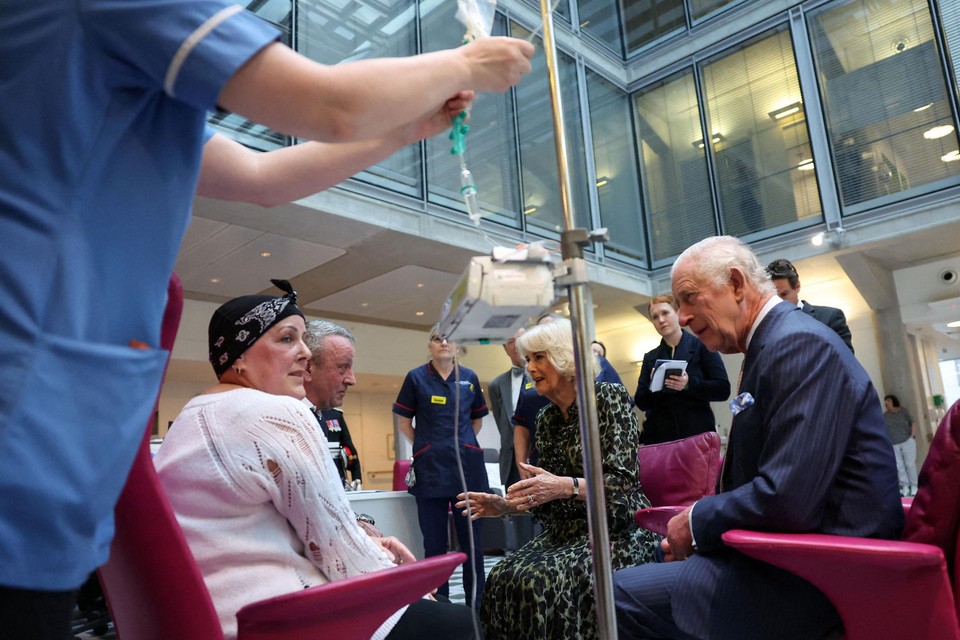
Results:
69 430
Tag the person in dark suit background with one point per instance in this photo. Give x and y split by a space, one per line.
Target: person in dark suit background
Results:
504 395
808 452
682 407
786 280
504 391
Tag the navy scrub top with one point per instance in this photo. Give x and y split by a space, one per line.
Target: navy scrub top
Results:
426 396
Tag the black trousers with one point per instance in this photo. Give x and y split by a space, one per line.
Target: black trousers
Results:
428 620
26 614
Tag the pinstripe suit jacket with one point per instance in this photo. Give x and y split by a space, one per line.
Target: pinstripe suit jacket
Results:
810 455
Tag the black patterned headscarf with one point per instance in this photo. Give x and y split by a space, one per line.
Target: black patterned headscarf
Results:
237 324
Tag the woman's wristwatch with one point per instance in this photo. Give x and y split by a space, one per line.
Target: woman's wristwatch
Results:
576 487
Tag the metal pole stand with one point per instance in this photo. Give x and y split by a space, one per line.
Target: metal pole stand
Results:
574 277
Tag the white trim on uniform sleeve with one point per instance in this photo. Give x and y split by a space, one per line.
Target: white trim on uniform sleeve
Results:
192 41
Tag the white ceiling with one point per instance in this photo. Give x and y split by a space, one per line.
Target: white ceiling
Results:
347 268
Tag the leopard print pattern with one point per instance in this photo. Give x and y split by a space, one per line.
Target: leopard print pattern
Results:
545 589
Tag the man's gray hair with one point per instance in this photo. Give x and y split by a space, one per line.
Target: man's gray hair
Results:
317 330
713 258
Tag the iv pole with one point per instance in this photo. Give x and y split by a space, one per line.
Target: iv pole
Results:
574 277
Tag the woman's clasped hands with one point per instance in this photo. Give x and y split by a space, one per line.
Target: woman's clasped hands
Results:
538 488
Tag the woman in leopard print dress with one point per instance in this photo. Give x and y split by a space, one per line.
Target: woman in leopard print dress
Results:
545 589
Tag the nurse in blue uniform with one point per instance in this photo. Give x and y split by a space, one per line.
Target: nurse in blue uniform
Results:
102 112
429 394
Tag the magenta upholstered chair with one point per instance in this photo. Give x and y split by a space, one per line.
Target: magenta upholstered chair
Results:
155 591
907 588
680 472
400 469
676 474
890 589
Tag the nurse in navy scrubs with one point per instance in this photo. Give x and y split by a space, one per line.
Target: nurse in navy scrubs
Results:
429 394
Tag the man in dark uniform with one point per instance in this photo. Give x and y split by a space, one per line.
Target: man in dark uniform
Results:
330 372
346 458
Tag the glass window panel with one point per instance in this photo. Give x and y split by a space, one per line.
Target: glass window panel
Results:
890 123
618 185
491 142
645 21
600 20
676 187
950 18
279 13
762 152
700 8
538 156
333 31
560 8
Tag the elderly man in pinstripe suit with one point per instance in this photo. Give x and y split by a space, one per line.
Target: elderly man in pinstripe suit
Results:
808 452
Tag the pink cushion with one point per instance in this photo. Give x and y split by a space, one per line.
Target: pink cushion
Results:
934 517
680 472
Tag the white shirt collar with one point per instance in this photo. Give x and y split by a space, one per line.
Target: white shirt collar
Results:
309 405
771 303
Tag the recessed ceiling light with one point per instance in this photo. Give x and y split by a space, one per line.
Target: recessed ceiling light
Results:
419 313
938 132
717 138
953 156
364 304
419 285
265 254
215 280
924 107
817 240
783 112
954 325
805 165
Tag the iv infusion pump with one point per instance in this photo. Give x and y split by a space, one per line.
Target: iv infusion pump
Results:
498 294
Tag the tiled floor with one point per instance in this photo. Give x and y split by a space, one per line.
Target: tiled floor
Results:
84 631
456 580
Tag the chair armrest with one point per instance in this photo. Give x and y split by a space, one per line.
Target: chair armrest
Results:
351 608
881 588
656 518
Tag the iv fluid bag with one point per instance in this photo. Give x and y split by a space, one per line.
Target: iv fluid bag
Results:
477 16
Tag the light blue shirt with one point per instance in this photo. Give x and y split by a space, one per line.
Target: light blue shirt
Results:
102 108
